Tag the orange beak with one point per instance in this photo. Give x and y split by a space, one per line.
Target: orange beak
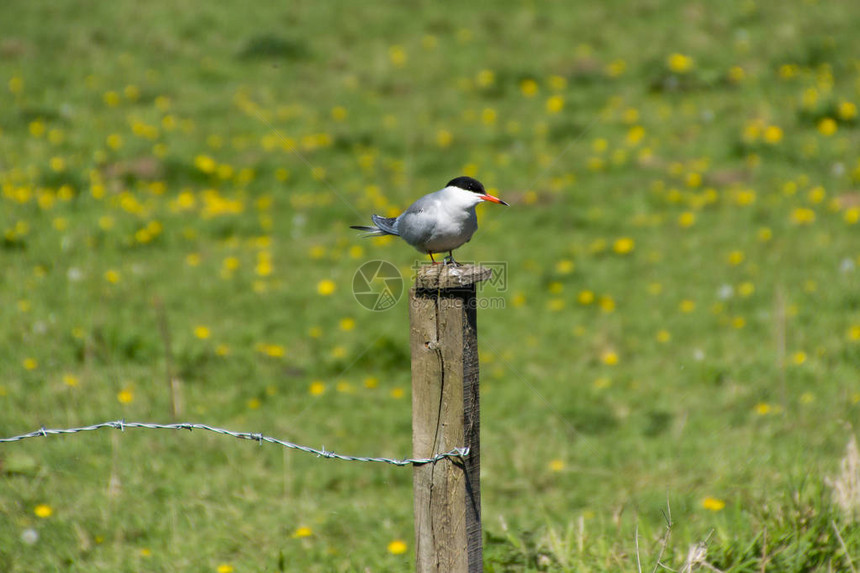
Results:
493 199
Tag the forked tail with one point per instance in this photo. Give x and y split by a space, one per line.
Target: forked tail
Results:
382 226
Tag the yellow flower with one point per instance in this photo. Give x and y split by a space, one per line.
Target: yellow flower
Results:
735 258
610 358
746 289
302 532
16 85
596 163
556 465
713 504
488 116
772 134
687 306
205 164
339 113
630 115
663 336
529 87
799 357
788 71
854 332
272 350
607 303
347 324
623 245
847 110
43 510
114 141
762 408
125 396
635 134
616 68
485 78
37 128
694 180
224 568
557 83
679 63
57 164
30 364
326 287
111 99
202 332
444 138
687 219
736 74
254 404
555 104
803 216
564 266
70 380
344 387
397 55
317 388
397 547
827 126
112 276
397 393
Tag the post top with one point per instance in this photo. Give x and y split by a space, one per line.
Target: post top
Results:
446 276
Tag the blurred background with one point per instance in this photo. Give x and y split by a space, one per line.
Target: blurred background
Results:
679 326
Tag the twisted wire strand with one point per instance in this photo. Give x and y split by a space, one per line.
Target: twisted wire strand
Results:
122 425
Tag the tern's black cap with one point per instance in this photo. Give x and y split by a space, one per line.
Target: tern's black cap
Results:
468 184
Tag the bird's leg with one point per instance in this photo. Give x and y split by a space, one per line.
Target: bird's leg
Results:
449 260
432 259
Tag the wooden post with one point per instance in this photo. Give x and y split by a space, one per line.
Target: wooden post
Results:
446 415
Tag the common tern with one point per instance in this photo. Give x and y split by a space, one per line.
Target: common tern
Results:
437 222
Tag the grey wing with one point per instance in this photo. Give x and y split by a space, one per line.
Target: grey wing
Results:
416 225
387 224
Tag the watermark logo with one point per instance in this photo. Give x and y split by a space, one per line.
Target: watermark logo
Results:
377 285
499 280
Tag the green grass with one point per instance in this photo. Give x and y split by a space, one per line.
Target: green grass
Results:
681 321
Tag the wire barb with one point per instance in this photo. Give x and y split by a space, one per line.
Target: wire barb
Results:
121 425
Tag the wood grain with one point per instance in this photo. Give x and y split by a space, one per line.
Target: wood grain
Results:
446 415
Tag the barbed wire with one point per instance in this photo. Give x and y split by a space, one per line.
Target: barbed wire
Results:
122 425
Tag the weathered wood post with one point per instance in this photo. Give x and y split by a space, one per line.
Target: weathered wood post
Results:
446 415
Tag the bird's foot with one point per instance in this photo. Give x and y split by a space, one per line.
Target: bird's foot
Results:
449 260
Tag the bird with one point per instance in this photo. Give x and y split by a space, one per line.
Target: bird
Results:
437 222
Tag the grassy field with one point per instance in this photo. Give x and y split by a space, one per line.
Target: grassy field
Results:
680 337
